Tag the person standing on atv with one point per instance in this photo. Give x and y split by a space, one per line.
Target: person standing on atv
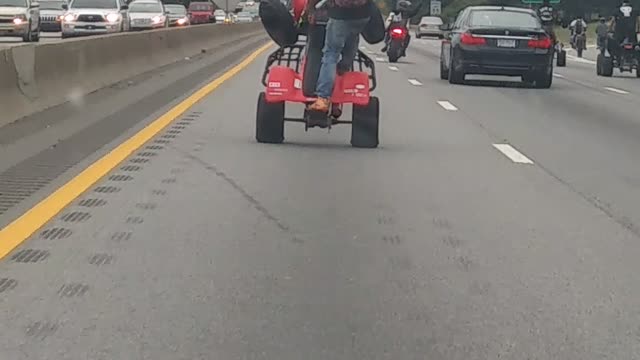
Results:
545 13
347 19
626 23
399 17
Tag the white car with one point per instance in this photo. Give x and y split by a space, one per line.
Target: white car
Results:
244 17
220 15
146 15
90 17
430 26
20 18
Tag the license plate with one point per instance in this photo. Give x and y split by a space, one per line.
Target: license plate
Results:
506 43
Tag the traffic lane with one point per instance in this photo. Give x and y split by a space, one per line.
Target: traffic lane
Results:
583 72
435 245
584 133
586 136
7 42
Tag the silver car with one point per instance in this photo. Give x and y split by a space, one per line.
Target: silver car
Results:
429 26
20 18
177 15
51 13
146 15
244 17
90 17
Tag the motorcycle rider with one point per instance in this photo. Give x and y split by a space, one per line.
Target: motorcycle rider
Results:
578 27
400 17
545 12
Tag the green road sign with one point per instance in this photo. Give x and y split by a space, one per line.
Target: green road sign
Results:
539 2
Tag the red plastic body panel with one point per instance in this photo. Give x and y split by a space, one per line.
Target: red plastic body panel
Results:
298 7
284 84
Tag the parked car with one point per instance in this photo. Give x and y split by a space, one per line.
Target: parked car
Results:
91 17
20 18
201 13
147 15
430 26
51 13
177 15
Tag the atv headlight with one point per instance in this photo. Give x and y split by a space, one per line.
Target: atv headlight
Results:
113 17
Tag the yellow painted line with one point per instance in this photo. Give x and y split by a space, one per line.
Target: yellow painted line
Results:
31 221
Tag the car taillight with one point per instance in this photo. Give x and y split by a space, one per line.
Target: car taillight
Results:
469 39
628 46
543 43
397 32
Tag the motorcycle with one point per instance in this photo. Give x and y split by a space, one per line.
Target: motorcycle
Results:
397 43
579 43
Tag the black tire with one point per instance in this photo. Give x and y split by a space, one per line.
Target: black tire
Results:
444 72
394 51
35 37
28 36
365 124
599 64
544 79
269 121
455 77
418 36
562 59
638 72
313 59
607 66
579 50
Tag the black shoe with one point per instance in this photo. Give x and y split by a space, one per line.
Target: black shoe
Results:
384 49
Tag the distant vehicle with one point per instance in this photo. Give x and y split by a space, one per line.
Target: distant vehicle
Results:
51 13
147 15
20 18
177 15
91 17
496 40
220 15
201 12
429 26
244 17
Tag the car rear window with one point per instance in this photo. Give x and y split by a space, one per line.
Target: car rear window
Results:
502 18
200 7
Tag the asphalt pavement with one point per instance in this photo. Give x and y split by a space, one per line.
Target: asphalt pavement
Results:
494 222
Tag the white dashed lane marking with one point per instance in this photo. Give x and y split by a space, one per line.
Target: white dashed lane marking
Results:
581 60
617 91
447 106
558 76
415 82
393 68
513 154
379 59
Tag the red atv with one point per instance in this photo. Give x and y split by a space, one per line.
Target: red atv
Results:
291 74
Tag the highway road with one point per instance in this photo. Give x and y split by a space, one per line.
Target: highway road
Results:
493 222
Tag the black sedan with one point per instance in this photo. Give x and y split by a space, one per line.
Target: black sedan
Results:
497 40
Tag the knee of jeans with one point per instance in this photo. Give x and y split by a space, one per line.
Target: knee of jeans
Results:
330 57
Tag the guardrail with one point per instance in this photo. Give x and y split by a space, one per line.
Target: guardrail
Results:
35 77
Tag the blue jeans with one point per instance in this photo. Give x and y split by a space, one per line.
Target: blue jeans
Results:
342 37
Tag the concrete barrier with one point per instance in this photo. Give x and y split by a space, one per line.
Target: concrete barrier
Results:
36 77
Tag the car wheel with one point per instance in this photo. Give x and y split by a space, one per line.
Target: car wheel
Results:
544 79
444 72
456 77
269 121
607 66
28 36
562 58
365 124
